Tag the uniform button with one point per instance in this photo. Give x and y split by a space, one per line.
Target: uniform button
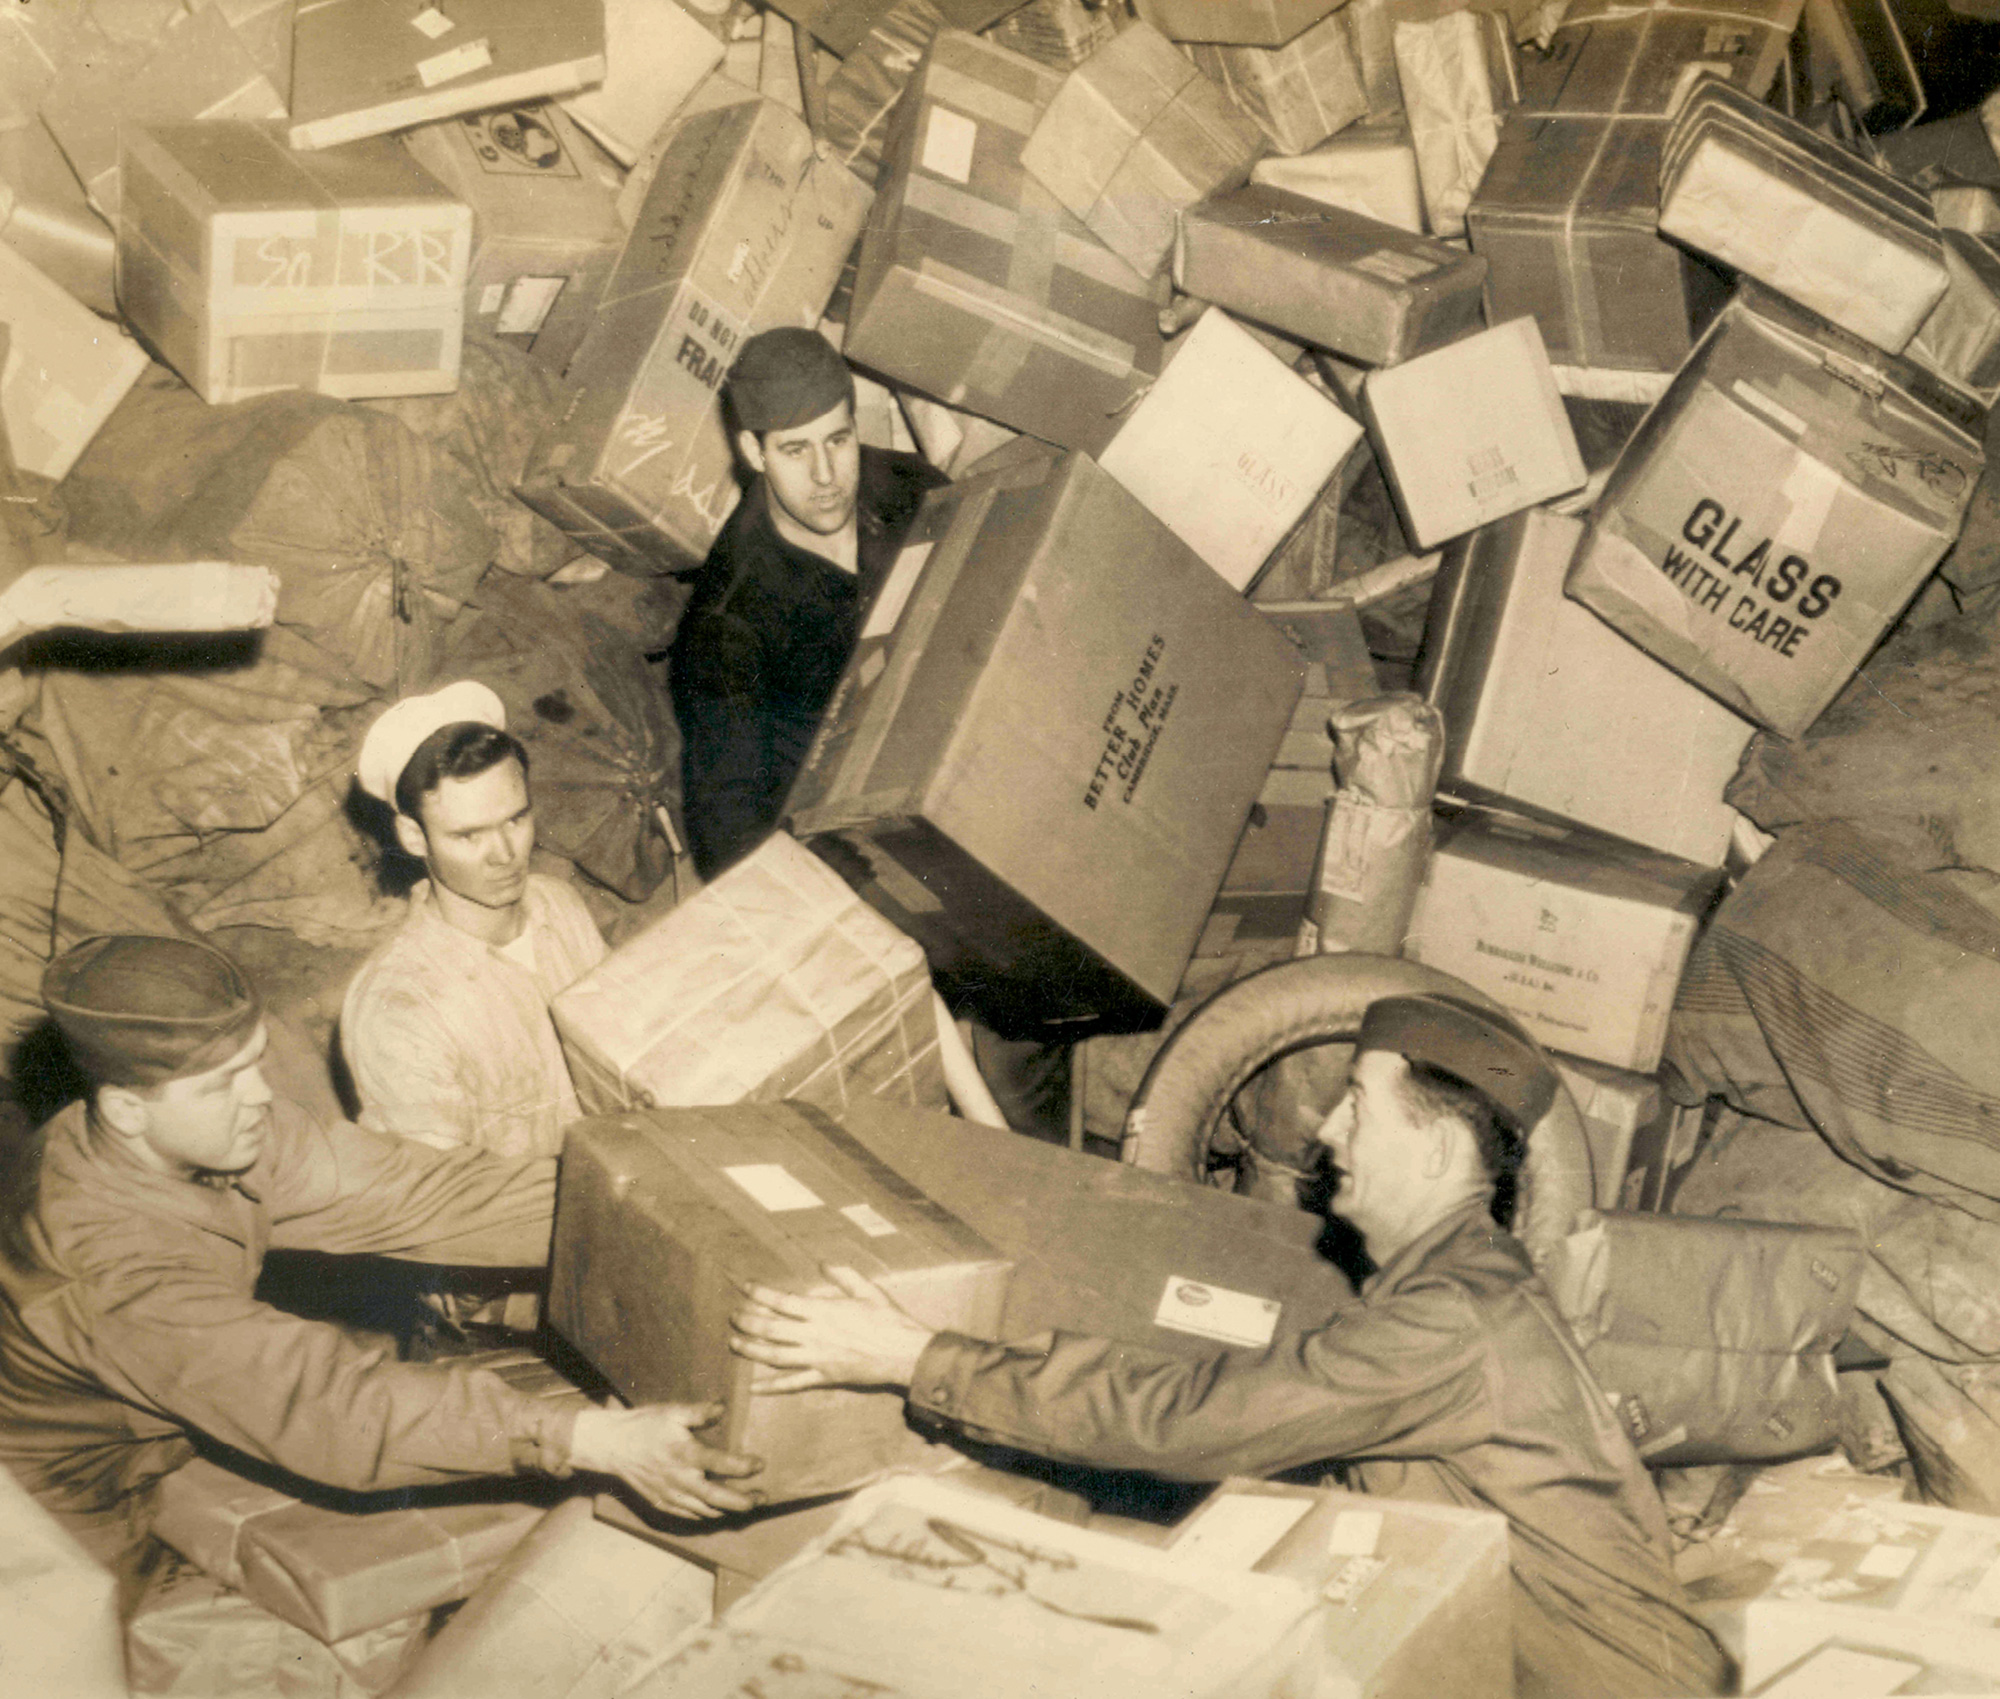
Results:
940 1395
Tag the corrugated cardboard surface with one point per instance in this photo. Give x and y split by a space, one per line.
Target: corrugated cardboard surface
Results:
1299 94
975 285
1545 705
1777 509
252 268
740 231
1338 279
64 372
1581 941
1616 1107
662 1213
1065 712
775 981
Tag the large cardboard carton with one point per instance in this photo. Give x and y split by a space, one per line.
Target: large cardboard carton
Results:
863 92
664 1214
252 268
545 229
1246 23
1336 279
1583 941
1779 1509
1300 93
1772 198
362 69
1134 134
1472 432
1043 751
975 285
1546 707
742 229
775 982
842 25
1230 447
1777 509
64 370
655 56
1613 57
1414 1598
1369 168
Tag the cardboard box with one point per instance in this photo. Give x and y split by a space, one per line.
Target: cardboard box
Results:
1299 94
1855 51
361 69
1581 940
975 286
1043 751
774 982
1618 1110
1062 33
655 56
741 230
1336 279
1875 1663
860 95
1612 57
664 1213
1244 23
1134 134
1415 1598
1961 338
1946 149
1369 168
1471 432
265 29
46 219
1229 448
1759 192
1773 514
1457 75
1025 1605
1547 708
545 229
58 1606
65 369
251 268
842 25
1779 1509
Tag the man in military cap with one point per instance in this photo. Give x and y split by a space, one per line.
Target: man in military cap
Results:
781 598
1453 1380
132 1233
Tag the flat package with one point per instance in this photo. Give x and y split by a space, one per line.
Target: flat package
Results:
545 227
842 25
1135 133
1369 168
1041 755
774 982
361 68
1777 509
1582 940
1300 93
1547 707
662 1214
1230 447
1472 432
1339 280
1247 23
974 284
1415 1598
250 268
1770 197
741 230
1458 76
65 369
655 56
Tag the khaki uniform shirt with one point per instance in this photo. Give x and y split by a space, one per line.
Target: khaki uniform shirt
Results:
1453 1381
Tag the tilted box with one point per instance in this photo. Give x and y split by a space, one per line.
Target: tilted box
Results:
64 372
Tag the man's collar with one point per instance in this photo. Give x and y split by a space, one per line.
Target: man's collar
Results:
1476 1216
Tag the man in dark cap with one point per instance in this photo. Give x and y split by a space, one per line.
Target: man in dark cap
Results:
132 1232
1453 1379
783 593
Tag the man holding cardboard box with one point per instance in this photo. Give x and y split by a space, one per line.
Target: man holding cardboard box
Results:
133 1228
1454 1380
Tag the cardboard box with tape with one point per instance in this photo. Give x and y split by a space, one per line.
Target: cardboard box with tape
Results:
842 25
1638 1135
1300 93
1369 168
741 230
975 285
1777 509
663 1214
655 56
64 369
252 268
1458 77
1042 753
1246 23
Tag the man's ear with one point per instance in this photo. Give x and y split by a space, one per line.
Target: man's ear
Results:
411 836
752 449
122 1109
1441 1139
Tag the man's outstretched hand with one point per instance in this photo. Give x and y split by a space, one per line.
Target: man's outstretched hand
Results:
653 1451
849 1334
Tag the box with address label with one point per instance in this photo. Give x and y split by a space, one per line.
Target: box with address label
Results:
1416 1598
662 1214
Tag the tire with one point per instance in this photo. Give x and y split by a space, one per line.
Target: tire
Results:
1318 1000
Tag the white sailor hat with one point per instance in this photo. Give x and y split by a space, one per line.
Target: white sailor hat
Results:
397 731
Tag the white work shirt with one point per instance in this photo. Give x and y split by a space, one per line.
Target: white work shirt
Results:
449 1041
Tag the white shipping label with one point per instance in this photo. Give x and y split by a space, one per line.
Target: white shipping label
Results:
1356 1533
774 1187
948 143
1235 1530
433 23
528 304
895 594
1886 1562
1215 1312
490 298
459 62
870 1220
